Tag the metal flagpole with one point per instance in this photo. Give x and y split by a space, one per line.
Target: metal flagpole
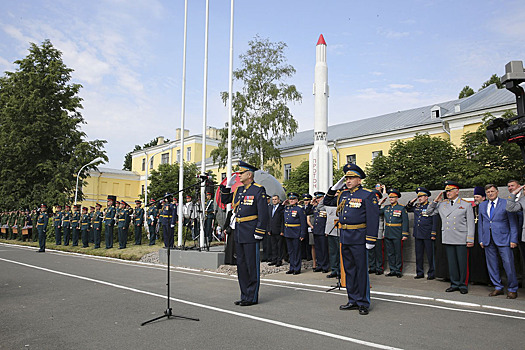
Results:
230 94
204 116
181 159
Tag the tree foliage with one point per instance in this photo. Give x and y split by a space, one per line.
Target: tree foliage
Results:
480 163
127 158
261 117
165 179
299 178
494 79
422 161
42 145
466 92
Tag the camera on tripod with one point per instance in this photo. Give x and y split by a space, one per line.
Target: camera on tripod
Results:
511 130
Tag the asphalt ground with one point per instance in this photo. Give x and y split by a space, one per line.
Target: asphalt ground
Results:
59 300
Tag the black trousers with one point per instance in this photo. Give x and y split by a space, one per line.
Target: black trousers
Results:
41 238
424 246
138 235
96 237
75 236
85 237
276 241
122 237
167 234
67 235
109 236
58 235
321 252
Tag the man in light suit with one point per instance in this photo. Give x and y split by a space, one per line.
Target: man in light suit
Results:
457 233
497 235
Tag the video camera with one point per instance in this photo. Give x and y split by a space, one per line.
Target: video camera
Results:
511 130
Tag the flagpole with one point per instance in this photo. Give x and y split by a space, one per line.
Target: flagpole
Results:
204 117
230 94
181 160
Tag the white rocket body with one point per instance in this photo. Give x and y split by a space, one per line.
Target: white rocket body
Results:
321 162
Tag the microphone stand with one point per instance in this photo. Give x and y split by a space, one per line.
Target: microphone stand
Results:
338 284
168 313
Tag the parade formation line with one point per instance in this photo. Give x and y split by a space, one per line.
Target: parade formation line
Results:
307 287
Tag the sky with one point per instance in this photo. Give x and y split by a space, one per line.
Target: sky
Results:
383 56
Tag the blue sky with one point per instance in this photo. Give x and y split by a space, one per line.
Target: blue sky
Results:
383 56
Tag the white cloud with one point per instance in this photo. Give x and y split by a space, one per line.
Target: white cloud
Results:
392 34
400 86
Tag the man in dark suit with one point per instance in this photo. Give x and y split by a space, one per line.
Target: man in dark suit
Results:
276 231
497 235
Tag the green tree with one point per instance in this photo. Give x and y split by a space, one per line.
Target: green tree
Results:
466 92
261 117
299 180
494 79
480 163
127 157
42 145
421 161
165 179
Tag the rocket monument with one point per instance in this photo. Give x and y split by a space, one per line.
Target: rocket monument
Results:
320 156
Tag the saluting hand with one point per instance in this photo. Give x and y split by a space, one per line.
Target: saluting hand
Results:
439 197
517 190
339 184
231 181
413 200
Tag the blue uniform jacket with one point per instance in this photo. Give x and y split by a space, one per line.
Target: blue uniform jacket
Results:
251 211
425 225
75 219
358 214
138 216
57 219
166 214
122 217
42 221
109 216
295 225
319 220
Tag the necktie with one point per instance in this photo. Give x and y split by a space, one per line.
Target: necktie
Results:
451 203
491 210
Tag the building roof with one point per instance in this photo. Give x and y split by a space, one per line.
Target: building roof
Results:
114 171
486 98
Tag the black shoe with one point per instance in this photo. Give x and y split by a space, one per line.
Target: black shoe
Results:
41 251
317 269
419 277
463 291
238 302
431 278
289 272
279 264
247 303
451 289
271 263
297 272
348 306
391 274
399 275
379 272
326 271
363 310
332 275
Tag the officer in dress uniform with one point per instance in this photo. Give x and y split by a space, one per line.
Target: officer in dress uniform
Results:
251 215
152 222
375 255
75 224
295 231
98 218
122 225
319 232
307 244
109 221
396 230
84 227
166 216
358 221
57 224
90 230
66 224
42 221
457 229
424 232
138 218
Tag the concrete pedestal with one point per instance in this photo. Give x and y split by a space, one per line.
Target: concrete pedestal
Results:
190 258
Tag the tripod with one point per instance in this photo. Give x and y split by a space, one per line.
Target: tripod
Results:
168 313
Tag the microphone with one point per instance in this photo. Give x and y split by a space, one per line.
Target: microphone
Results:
203 177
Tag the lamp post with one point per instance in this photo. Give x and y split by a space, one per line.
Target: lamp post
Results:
99 159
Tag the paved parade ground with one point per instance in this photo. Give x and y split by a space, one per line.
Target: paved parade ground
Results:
60 300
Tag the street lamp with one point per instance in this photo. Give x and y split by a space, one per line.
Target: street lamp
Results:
99 159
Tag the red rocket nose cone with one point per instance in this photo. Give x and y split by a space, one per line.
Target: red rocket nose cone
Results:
321 40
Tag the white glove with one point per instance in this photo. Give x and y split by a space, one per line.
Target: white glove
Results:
258 237
369 246
339 184
172 226
231 181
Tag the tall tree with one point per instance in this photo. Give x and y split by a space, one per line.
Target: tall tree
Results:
127 157
421 161
466 92
262 119
165 179
42 145
494 79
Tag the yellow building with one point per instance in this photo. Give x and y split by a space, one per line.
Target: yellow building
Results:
357 141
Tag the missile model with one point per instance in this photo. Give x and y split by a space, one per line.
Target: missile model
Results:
321 161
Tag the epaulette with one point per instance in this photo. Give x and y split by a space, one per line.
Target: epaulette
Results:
256 184
366 189
401 204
